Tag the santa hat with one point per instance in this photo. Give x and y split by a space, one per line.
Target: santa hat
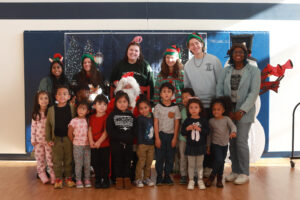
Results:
173 50
194 35
57 57
87 55
128 79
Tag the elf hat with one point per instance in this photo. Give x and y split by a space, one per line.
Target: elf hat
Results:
88 55
56 57
195 35
173 50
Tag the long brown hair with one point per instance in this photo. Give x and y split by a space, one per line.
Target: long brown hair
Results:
36 115
164 72
140 59
95 76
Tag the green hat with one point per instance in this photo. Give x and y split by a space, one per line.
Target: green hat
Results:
90 56
194 35
173 50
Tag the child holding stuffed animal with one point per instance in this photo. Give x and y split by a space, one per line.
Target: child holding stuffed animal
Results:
195 128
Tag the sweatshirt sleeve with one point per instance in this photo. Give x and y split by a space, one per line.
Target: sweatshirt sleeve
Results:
231 125
187 82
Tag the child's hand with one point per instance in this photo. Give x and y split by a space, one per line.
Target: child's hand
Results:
51 143
190 127
171 115
173 142
197 128
97 144
232 135
207 150
157 143
92 144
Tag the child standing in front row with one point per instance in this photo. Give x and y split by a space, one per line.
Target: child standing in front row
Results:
78 134
121 129
166 125
145 148
221 130
195 128
42 150
186 94
58 118
99 142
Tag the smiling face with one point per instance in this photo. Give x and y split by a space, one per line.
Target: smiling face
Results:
218 110
195 46
171 60
100 107
62 96
43 100
133 53
87 64
56 70
185 98
144 109
238 54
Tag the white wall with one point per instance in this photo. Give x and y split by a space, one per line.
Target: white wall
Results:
284 44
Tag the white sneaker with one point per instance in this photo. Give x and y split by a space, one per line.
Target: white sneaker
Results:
241 179
201 185
191 185
231 177
206 172
148 182
139 183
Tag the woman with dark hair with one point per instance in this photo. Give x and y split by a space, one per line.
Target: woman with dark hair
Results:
89 75
241 81
56 77
133 61
171 71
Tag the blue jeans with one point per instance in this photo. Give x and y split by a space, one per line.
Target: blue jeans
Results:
164 155
219 154
239 149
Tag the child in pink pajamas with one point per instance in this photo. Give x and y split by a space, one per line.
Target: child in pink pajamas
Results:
42 150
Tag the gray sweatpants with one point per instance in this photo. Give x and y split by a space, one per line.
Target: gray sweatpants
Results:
182 158
239 149
82 158
195 162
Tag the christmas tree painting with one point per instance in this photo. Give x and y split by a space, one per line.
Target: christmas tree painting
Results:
73 61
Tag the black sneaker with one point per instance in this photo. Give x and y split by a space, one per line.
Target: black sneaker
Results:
98 183
168 181
105 183
159 181
183 180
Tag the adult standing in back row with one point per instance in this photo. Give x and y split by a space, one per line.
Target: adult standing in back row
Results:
201 73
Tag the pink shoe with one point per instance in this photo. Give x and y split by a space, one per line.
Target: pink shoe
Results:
44 178
87 184
52 178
